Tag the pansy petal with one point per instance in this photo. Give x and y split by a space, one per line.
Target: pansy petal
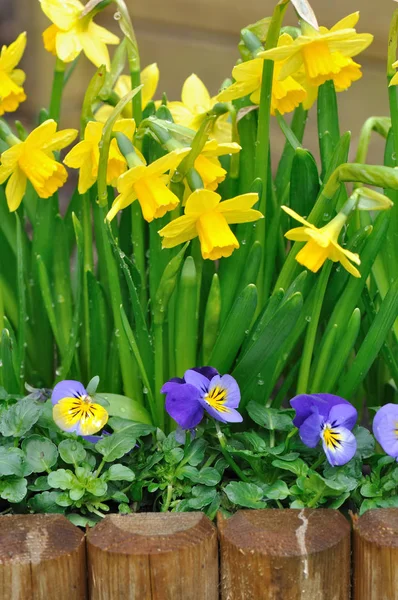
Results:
182 404
310 429
231 387
230 415
208 372
198 380
385 428
304 405
68 388
343 447
343 415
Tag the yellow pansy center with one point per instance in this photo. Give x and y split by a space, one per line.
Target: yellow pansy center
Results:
80 414
331 437
216 398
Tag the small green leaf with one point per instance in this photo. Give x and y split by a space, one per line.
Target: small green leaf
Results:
62 479
19 418
270 418
97 487
297 466
46 503
13 489
244 494
365 442
126 408
119 473
11 461
116 445
137 430
41 453
277 491
71 452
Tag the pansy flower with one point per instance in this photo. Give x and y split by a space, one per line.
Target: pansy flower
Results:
385 429
202 389
326 418
74 411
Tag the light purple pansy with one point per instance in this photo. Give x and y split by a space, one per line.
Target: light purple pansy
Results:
202 389
326 418
385 429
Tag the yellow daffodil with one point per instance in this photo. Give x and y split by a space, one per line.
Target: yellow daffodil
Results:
286 94
322 243
209 167
148 185
394 80
72 33
149 81
12 79
323 53
33 160
205 216
85 155
195 103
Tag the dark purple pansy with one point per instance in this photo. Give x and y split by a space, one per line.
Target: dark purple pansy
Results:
326 418
385 429
202 389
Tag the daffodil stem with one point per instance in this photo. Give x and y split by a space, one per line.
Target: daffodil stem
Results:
262 144
305 366
159 372
227 456
88 266
393 90
135 74
57 89
138 241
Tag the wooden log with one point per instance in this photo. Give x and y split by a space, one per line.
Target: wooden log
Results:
42 557
153 556
285 554
376 555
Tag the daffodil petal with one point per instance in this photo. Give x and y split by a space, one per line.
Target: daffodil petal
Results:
297 217
95 49
68 45
347 22
149 80
12 54
15 189
201 201
195 94
62 14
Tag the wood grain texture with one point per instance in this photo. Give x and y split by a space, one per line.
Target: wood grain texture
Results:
42 557
285 554
376 555
153 557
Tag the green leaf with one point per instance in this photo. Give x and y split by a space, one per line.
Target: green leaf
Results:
277 491
244 494
81 521
40 484
17 420
195 452
126 408
41 453
13 489
203 496
116 445
97 487
365 442
62 479
186 331
46 503
71 452
11 461
211 318
234 330
270 342
119 473
137 430
304 182
270 418
370 490
297 466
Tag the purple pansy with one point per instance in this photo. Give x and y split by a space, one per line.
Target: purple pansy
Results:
327 418
385 429
202 389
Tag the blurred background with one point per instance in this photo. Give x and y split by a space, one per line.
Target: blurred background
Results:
201 36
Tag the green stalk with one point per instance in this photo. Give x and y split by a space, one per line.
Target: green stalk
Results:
261 164
392 90
138 241
305 366
227 456
88 265
159 373
57 89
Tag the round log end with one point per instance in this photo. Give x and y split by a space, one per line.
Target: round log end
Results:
288 532
37 538
150 533
379 526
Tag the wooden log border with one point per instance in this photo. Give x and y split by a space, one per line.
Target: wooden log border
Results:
257 555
